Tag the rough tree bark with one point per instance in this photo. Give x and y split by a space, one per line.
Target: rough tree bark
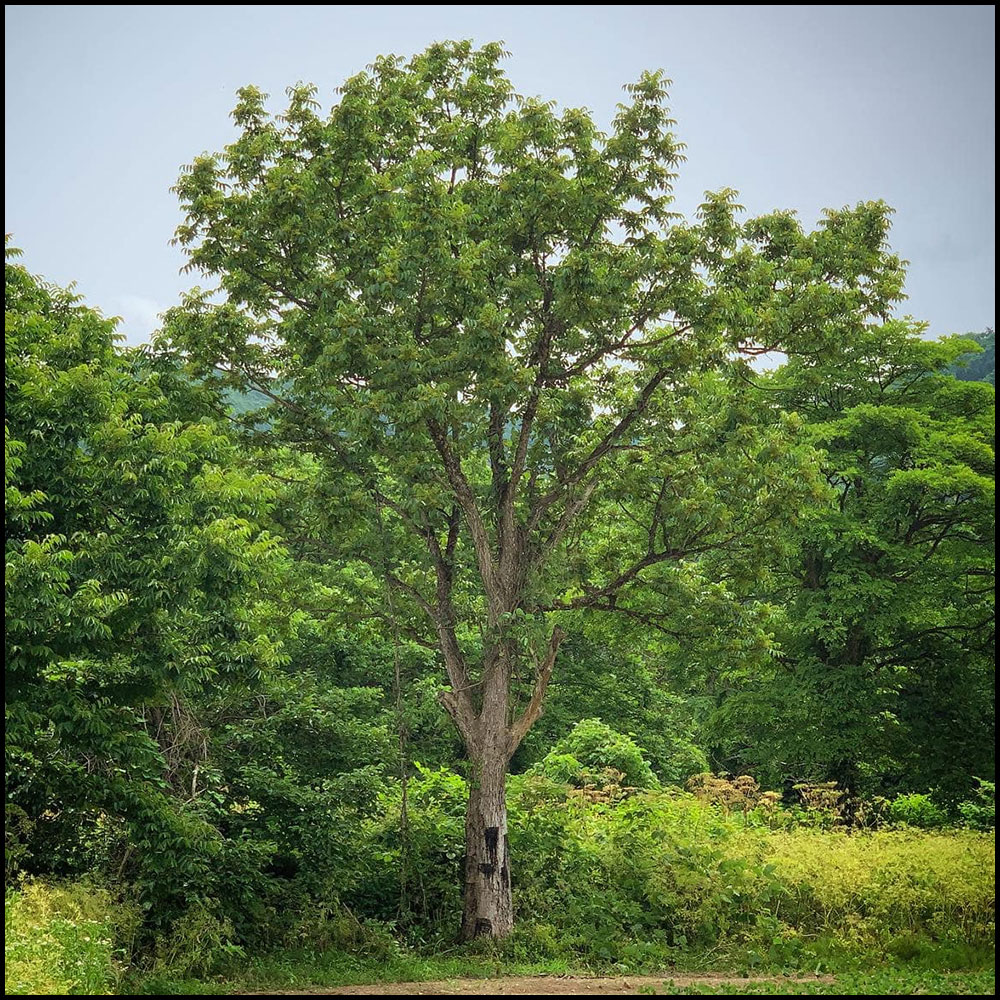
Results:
488 907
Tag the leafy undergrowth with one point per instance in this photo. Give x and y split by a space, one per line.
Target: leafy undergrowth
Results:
635 881
608 883
68 940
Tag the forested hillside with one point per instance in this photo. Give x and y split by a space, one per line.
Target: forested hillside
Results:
455 571
979 366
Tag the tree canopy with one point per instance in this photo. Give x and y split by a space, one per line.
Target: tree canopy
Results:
886 628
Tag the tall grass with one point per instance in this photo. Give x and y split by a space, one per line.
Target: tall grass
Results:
63 940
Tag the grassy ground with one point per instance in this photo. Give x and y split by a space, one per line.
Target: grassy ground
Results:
886 982
304 973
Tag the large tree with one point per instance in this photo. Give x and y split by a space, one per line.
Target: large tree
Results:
518 381
886 616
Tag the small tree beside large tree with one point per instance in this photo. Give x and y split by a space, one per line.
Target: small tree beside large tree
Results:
520 380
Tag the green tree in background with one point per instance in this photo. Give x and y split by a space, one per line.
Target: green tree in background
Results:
134 576
885 678
520 385
632 680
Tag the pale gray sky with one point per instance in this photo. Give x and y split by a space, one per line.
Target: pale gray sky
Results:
796 107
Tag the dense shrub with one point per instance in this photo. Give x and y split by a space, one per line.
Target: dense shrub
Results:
629 879
606 877
980 812
414 875
917 810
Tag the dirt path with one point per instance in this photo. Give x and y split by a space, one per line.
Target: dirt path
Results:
533 986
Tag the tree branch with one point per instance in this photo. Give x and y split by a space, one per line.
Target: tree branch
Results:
600 450
467 501
533 710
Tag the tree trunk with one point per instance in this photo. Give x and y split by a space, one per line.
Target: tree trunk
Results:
489 909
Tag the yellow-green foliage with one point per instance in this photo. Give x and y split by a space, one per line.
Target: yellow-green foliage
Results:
908 880
64 939
698 875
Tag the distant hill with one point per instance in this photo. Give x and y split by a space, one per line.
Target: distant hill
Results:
240 403
977 367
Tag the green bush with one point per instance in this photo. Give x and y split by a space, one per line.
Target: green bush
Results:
593 753
64 940
415 880
917 810
600 877
980 812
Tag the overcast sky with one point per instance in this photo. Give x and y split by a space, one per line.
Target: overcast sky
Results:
796 107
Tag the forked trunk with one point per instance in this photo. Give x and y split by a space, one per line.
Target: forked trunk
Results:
490 740
489 909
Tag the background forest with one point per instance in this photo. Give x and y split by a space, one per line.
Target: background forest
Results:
224 725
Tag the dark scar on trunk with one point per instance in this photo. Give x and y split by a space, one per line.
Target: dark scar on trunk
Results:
483 927
492 837
488 869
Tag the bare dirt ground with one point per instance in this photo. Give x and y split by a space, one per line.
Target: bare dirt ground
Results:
533 986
